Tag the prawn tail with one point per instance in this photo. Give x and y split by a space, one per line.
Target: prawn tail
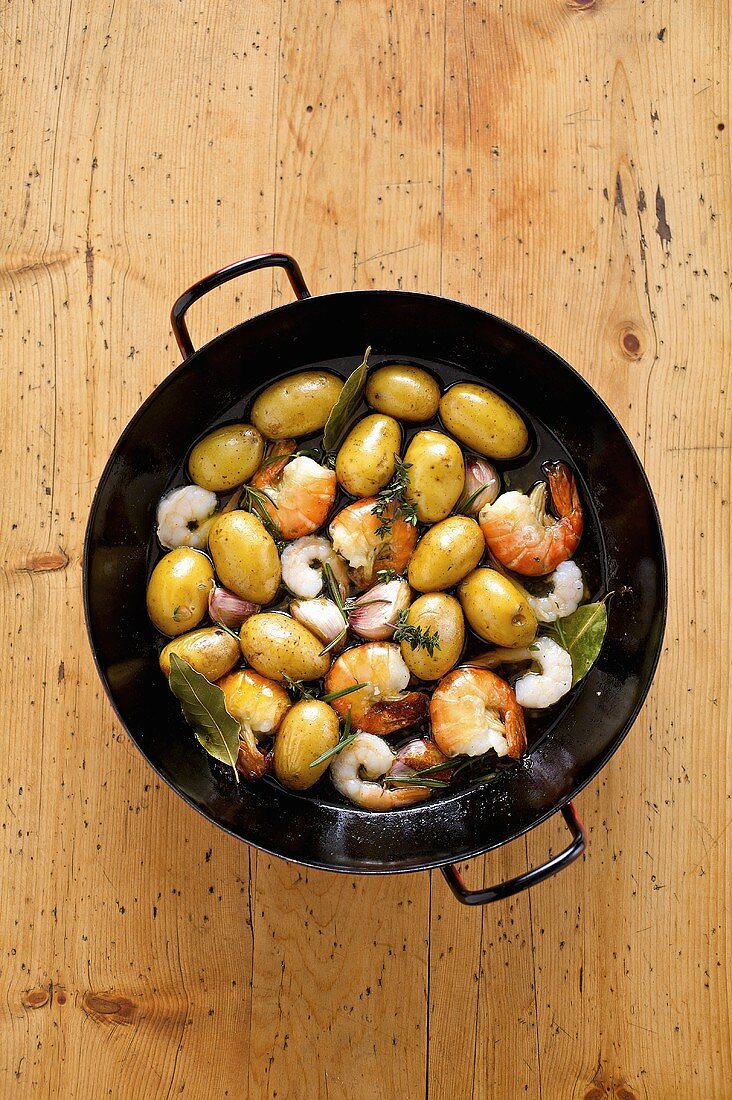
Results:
389 715
270 473
515 732
251 762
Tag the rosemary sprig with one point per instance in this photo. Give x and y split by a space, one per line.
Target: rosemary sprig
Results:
331 695
301 689
335 595
393 495
462 505
345 739
416 636
253 500
416 781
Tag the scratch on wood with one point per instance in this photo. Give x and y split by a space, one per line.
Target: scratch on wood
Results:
619 198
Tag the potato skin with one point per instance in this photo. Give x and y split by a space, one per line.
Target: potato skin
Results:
226 457
446 554
308 730
177 592
496 610
440 612
436 477
278 646
407 393
483 421
296 406
245 556
211 651
367 458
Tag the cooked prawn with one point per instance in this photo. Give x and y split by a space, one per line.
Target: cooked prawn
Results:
185 516
522 537
473 710
299 492
545 687
360 770
564 595
353 532
259 705
303 564
382 705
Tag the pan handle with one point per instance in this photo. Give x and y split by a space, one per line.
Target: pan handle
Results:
231 271
529 878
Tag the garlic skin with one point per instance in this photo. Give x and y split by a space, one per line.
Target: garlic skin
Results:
480 472
226 608
322 618
374 615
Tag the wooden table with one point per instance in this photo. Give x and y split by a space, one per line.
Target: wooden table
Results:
565 163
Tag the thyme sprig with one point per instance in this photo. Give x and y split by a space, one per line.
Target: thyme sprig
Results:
416 636
393 496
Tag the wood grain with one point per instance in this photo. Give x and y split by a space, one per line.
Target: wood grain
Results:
565 163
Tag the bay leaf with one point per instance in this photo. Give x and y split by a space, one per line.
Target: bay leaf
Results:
204 708
581 634
345 407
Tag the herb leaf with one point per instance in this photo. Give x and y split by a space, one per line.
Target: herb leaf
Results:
343 411
416 636
581 634
391 503
345 738
204 708
254 501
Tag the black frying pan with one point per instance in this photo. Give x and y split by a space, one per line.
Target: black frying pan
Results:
622 549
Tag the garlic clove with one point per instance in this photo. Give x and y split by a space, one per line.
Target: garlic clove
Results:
374 615
479 473
229 610
322 618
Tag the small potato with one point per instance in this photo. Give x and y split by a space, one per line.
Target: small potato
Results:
442 613
226 457
297 405
496 610
482 420
177 592
278 646
436 477
210 651
309 729
367 458
446 554
245 556
408 393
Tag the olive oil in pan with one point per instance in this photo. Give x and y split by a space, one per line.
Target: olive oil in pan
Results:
520 473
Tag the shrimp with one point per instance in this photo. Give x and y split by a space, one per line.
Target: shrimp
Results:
520 535
564 597
353 532
545 687
185 516
382 705
259 705
357 769
297 493
473 710
303 563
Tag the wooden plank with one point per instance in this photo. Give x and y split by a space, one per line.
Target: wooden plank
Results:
341 963
126 952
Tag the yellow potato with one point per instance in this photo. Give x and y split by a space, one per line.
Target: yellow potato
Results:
245 556
297 405
496 610
482 420
441 613
210 651
446 554
408 393
309 729
226 457
177 592
436 477
367 458
278 646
